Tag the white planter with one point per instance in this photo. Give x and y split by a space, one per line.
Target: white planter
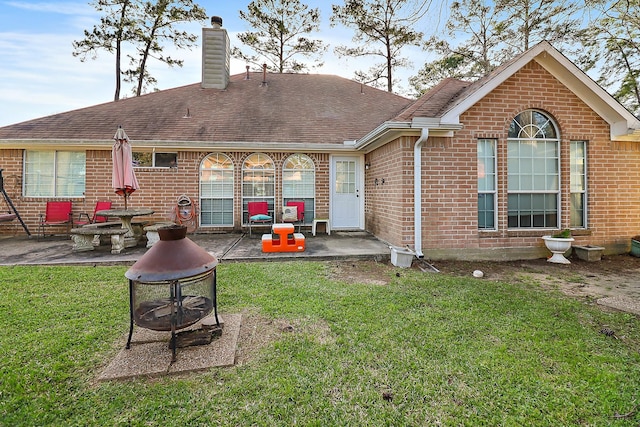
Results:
558 246
401 257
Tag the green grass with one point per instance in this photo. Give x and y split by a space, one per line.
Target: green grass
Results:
449 350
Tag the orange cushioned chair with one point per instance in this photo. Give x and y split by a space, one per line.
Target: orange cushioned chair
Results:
56 214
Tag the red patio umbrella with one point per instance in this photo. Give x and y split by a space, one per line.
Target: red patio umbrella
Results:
124 180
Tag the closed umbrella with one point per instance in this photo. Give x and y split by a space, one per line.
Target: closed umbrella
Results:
124 180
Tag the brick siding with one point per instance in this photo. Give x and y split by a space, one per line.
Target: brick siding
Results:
449 180
159 187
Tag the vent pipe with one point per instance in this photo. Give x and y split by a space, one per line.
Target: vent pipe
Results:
264 74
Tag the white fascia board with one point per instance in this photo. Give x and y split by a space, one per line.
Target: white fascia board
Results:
61 144
244 146
376 134
388 131
633 136
435 125
381 129
425 122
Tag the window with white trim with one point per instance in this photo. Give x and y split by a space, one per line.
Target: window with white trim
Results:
578 184
258 183
54 173
148 159
216 190
487 197
299 183
533 172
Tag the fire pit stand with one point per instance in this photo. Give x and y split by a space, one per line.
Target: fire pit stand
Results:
172 286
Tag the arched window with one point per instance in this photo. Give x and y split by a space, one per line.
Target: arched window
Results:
216 190
299 183
533 167
258 182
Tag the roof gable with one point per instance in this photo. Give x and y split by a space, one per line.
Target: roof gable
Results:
621 121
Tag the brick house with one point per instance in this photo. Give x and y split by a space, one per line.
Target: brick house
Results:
534 147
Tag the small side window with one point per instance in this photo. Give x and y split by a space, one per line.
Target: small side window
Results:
155 160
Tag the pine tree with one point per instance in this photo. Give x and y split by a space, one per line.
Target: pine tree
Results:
279 35
115 28
155 27
612 51
144 24
382 29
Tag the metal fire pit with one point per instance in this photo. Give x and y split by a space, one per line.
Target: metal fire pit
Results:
172 286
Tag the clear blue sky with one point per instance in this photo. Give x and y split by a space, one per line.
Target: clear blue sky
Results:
39 76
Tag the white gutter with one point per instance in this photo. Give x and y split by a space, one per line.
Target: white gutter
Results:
417 192
107 144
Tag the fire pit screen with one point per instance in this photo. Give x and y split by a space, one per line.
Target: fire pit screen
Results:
189 300
172 286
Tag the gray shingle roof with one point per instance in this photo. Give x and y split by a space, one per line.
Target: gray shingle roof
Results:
435 101
296 108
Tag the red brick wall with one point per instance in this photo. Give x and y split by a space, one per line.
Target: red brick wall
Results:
449 178
159 187
450 168
389 192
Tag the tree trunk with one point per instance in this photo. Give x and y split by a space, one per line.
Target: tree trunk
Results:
116 95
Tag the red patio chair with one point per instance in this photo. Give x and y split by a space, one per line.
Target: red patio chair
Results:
100 206
296 219
56 214
258 214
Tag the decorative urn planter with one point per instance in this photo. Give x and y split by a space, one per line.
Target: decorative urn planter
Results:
558 246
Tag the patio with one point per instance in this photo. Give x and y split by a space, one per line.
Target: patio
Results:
232 247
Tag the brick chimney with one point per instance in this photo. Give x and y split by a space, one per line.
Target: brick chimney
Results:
215 55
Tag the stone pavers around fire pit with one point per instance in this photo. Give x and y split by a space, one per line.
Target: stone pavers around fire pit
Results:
150 354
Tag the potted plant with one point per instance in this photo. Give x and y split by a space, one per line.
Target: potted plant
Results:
635 246
558 244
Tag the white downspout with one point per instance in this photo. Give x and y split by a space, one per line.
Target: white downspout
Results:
417 192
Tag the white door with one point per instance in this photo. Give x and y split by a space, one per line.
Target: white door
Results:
346 193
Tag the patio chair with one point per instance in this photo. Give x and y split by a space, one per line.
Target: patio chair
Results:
293 212
57 214
100 206
258 214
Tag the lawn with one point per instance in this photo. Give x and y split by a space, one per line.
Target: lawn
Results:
424 349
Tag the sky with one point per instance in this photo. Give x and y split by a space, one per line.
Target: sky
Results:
39 76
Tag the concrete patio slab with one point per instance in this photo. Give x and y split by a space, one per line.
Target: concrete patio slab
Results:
150 354
621 303
230 247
